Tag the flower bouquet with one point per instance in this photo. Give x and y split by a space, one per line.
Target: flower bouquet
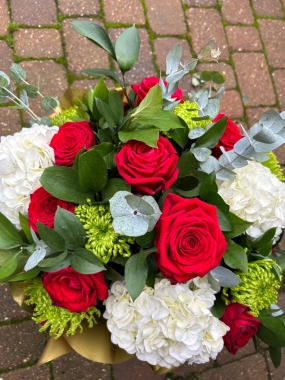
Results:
136 222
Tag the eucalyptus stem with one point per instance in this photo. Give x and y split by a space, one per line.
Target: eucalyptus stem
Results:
18 104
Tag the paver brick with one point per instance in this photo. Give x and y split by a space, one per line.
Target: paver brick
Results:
279 81
204 24
185 370
253 114
163 13
276 373
223 68
231 104
134 369
38 43
79 7
34 13
254 79
34 373
9 308
225 357
4 17
6 57
73 365
9 124
268 8
19 344
249 368
236 12
124 11
201 3
82 53
243 38
272 32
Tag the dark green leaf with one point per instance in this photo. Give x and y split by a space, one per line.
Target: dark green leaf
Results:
151 104
239 226
235 257
272 331
26 228
218 308
281 262
180 136
117 107
107 151
209 184
32 91
275 355
113 186
213 76
51 237
9 266
186 164
102 73
127 48
135 276
84 261
211 137
145 134
92 171
51 261
264 239
63 264
70 228
9 235
224 217
25 275
164 120
186 183
112 275
147 239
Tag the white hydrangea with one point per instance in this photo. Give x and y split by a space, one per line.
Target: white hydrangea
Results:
23 157
256 195
167 325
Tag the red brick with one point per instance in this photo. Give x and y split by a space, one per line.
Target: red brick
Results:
243 38
224 69
79 7
280 153
134 369
231 104
82 53
6 57
225 357
163 45
35 373
205 24
279 81
272 32
199 3
269 8
254 78
34 13
38 43
144 67
236 12
163 13
9 124
4 17
124 11
276 373
254 114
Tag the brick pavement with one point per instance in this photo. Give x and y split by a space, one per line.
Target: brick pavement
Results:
37 34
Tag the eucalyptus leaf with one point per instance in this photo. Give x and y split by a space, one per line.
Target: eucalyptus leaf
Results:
173 59
4 79
49 103
206 49
201 154
17 73
35 258
135 275
225 277
196 133
32 91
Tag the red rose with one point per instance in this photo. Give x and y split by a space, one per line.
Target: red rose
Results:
70 139
148 170
43 207
75 291
229 138
242 324
189 240
146 84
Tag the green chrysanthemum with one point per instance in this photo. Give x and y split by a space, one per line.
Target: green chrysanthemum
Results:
274 166
57 319
181 111
65 115
102 240
258 288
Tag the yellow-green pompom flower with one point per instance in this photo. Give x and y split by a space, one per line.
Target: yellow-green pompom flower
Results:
258 288
54 318
102 240
65 116
274 166
182 111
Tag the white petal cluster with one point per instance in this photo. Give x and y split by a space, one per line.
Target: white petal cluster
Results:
167 325
256 195
23 157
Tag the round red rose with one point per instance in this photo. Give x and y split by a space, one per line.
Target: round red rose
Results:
148 170
229 138
242 324
43 206
70 139
146 84
189 240
75 291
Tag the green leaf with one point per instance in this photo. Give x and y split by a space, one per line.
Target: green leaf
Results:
264 239
4 79
49 103
272 331
32 91
52 239
25 275
147 239
96 34
127 48
26 228
213 76
186 164
9 266
235 257
224 216
209 184
145 134
51 261
17 73
281 261
117 107
113 186
180 136
151 104
63 264
210 138
92 171
239 226
102 73
84 261
275 355
112 275
219 306
107 151
70 228
63 183
186 183
9 235
109 112
164 120
135 275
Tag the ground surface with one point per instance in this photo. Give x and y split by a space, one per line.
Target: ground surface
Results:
38 35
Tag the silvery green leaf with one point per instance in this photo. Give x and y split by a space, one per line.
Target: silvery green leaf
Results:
48 103
282 114
138 204
4 79
227 158
45 120
265 136
192 96
226 174
175 76
210 165
219 93
203 98
269 117
241 145
173 59
201 154
282 133
278 310
212 108
34 236
195 133
24 98
253 130
169 106
190 64
17 73
215 285
258 156
207 49
171 88
195 81
278 126
162 85
262 147
35 258
225 277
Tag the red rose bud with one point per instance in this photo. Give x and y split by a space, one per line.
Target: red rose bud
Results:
43 207
74 291
242 324
148 170
229 138
70 139
189 240
146 84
